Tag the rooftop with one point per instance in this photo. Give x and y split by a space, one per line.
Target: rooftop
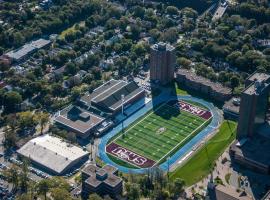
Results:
109 94
19 53
111 179
257 76
257 83
227 192
78 119
52 152
252 150
233 105
161 46
199 79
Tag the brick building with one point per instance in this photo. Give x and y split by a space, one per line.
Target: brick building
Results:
103 181
162 63
203 85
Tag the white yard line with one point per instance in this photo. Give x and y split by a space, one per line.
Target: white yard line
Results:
165 103
182 141
139 122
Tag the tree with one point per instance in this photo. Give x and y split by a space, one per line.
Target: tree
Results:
24 175
13 176
184 62
133 191
138 11
43 187
26 119
10 138
43 119
71 68
234 81
24 197
177 188
11 100
60 194
172 10
94 197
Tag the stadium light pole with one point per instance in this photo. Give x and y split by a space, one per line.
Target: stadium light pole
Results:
123 101
168 168
205 147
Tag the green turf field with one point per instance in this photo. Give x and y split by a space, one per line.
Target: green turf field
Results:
160 132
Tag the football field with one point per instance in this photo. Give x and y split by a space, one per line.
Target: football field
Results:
158 134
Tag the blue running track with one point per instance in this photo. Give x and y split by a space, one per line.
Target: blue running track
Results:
216 120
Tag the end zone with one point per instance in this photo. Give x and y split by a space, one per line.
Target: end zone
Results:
129 156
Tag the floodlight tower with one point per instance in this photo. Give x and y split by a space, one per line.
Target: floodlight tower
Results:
123 101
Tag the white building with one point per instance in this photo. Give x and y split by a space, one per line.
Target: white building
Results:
53 154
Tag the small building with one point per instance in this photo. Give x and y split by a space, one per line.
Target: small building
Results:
231 108
203 85
78 120
221 192
53 154
103 181
108 97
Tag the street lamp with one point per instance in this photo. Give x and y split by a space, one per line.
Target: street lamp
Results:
205 147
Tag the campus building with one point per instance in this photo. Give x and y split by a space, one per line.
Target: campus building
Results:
254 104
26 50
108 97
103 181
78 120
252 147
162 63
203 85
53 154
221 192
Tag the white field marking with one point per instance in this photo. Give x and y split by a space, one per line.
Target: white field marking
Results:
192 113
123 160
182 141
138 123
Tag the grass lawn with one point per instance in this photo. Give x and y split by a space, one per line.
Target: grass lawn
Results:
180 91
70 30
198 166
161 132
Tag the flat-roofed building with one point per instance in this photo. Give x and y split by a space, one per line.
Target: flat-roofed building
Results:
231 108
108 97
26 50
203 85
78 120
162 63
221 192
103 181
53 154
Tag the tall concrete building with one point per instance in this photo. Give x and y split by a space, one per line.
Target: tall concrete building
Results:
254 104
162 63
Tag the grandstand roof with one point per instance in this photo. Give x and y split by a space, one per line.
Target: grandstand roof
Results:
52 153
109 94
